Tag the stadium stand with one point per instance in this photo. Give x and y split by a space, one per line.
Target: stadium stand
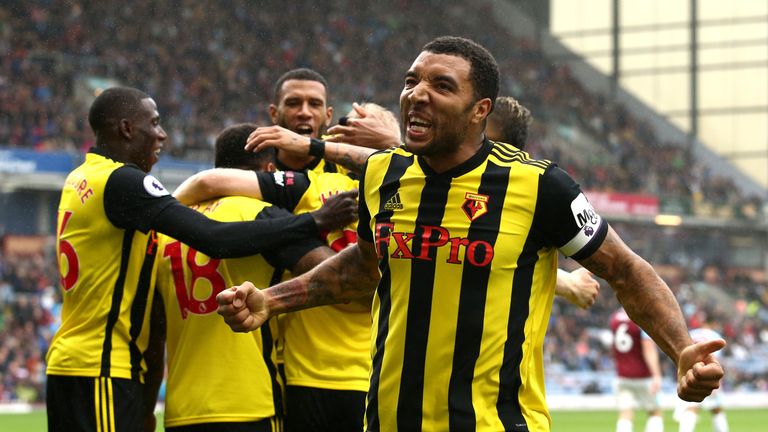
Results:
206 64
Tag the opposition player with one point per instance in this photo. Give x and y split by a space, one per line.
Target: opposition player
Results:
461 236
687 413
106 246
199 396
638 373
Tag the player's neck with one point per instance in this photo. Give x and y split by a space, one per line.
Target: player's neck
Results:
443 162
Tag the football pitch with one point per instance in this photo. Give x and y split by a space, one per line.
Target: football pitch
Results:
744 420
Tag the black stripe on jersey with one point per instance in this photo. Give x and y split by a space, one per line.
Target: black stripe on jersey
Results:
267 345
508 404
472 302
389 187
139 306
385 307
433 200
114 309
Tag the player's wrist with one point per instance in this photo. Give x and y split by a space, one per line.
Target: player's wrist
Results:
316 147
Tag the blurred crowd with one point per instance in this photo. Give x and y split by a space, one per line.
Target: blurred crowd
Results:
210 64
29 315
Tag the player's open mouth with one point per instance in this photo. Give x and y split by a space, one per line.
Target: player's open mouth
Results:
304 130
418 125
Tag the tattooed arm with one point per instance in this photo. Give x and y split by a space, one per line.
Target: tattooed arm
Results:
644 295
349 156
351 274
650 303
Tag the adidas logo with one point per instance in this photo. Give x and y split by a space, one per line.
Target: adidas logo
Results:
394 203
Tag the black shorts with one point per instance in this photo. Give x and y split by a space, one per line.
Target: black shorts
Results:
319 410
273 424
94 404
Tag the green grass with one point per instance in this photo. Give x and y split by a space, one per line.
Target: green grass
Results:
35 421
744 420
562 421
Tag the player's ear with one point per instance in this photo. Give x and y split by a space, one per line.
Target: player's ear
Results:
481 110
328 116
270 167
125 128
273 113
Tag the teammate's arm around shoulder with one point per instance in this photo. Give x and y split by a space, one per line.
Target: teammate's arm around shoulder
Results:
218 182
650 303
351 274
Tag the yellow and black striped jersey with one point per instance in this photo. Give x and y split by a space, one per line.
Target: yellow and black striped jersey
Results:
203 352
324 347
468 262
106 255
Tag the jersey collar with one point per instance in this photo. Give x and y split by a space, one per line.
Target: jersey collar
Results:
464 167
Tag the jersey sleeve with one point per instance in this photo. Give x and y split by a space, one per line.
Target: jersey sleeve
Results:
565 217
363 215
286 256
133 198
283 188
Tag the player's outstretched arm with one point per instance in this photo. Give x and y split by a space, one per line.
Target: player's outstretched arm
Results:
366 130
649 302
351 274
238 239
350 157
578 287
218 182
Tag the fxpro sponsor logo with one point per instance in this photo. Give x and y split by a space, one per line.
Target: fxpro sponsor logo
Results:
403 245
154 187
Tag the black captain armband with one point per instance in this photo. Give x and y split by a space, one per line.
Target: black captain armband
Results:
316 147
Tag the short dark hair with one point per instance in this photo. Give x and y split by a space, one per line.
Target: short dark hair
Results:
512 119
484 71
114 104
230 149
301 74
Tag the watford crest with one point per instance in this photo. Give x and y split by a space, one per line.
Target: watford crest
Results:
475 205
